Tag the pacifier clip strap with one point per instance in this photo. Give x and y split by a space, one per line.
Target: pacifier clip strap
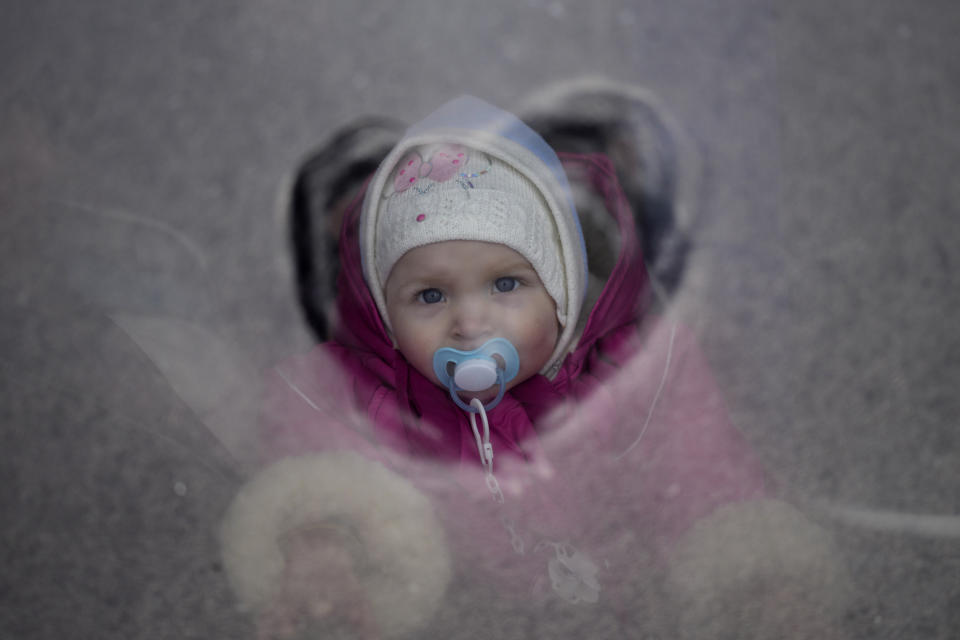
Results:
484 448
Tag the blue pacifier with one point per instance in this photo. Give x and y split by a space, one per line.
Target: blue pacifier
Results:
477 370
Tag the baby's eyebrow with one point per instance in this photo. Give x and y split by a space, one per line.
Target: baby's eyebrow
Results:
517 265
416 284
424 280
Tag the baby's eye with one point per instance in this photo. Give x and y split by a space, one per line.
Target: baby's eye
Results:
506 284
430 296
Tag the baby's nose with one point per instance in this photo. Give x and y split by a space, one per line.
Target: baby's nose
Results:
472 320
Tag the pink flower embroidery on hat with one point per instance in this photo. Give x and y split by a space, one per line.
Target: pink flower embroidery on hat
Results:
411 169
444 164
446 161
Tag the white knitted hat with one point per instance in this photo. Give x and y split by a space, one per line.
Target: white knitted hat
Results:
450 192
507 187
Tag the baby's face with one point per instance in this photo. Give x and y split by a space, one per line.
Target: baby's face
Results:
462 293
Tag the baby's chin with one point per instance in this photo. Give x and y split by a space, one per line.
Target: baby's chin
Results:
485 396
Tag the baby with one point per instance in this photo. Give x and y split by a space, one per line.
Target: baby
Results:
464 249
465 293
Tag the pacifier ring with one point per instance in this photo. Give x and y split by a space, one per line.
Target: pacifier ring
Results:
455 391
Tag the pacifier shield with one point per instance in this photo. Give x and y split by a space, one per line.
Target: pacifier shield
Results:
477 370
501 347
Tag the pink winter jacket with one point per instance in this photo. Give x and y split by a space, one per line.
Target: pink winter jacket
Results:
625 448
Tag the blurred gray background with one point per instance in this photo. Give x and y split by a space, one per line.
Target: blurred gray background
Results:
146 154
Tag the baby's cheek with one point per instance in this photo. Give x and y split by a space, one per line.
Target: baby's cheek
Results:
421 359
415 347
540 339
416 354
